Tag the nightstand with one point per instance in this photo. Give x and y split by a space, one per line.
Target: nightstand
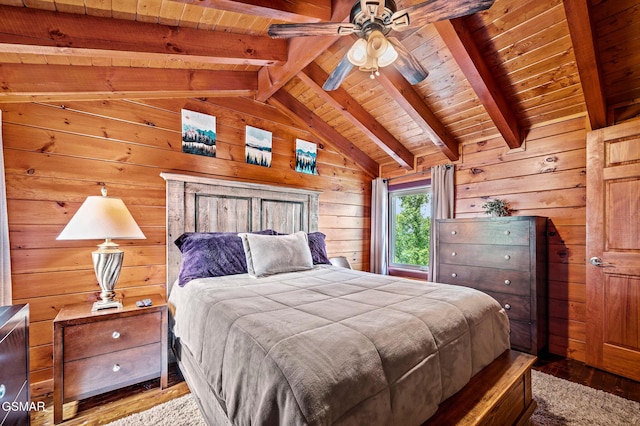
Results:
14 362
97 352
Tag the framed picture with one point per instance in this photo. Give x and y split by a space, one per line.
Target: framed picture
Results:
198 133
258 146
306 153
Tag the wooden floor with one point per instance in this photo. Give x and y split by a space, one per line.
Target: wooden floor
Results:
578 372
111 406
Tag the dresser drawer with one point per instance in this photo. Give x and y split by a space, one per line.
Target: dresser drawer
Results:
499 256
91 376
504 232
517 307
486 279
13 359
87 340
520 335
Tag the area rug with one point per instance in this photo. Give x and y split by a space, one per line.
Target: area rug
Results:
560 403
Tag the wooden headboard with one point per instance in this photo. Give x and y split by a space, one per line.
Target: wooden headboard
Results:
199 204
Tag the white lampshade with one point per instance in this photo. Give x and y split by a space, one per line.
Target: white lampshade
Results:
357 54
388 57
101 217
104 218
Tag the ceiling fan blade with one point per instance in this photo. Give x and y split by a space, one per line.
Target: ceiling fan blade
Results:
437 10
338 75
407 64
311 29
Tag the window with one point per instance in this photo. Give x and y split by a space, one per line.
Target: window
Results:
410 227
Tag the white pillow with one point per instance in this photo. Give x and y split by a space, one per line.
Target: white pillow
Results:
273 254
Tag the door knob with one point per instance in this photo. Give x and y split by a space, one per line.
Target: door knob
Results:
596 261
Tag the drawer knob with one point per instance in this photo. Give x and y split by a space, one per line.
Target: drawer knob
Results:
507 232
116 368
454 253
454 275
507 282
3 390
507 257
454 232
115 335
507 306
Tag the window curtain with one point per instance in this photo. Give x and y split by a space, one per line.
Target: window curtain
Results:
379 225
442 205
5 260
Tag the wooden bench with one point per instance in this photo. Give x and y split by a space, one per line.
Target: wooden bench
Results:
500 394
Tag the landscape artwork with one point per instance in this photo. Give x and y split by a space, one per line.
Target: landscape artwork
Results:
198 133
306 153
258 146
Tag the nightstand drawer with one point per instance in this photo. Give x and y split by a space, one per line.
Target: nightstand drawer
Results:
14 364
91 376
96 338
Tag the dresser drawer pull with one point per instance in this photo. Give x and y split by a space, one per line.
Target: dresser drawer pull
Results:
454 232
507 282
3 390
507 257
116 368
115 335
454 253
454 275
507 306
507 232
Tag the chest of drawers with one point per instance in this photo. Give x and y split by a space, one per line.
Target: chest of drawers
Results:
96 352
14 362
506 258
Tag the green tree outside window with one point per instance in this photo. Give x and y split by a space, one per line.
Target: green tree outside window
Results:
412 230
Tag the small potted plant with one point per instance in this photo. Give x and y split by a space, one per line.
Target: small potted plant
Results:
496 208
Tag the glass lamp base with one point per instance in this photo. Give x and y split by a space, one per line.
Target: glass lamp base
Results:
106 304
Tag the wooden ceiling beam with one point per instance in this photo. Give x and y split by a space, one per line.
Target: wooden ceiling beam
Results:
32 31
314 76
411 102
302 51
302 115
29 82
284 10
581 31
460 42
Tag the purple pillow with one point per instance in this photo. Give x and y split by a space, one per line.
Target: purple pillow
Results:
211 254
318 248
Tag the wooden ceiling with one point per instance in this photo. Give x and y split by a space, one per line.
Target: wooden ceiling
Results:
497 73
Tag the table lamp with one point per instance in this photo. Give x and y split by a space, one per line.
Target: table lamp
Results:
97 218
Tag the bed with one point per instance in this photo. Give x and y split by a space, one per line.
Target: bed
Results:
294 340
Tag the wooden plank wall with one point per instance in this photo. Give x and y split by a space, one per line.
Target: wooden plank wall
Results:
56 155
547 178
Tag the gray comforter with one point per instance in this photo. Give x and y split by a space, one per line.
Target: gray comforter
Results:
336 346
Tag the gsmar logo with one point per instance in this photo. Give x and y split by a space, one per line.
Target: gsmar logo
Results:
23 406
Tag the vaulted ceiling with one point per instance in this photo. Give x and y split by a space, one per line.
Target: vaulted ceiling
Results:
494 74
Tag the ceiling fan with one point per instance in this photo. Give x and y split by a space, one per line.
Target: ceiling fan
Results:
371 21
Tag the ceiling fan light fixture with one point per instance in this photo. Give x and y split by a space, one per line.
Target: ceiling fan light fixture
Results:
376 44
357 54
388 56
